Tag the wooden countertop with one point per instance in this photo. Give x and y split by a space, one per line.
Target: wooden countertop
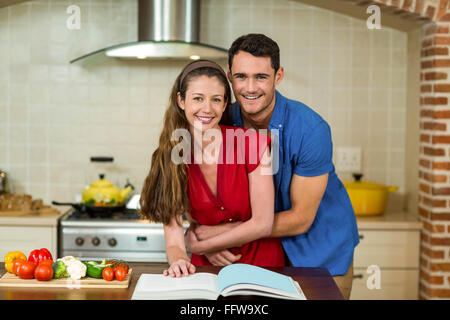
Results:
316 283
33 219
389 220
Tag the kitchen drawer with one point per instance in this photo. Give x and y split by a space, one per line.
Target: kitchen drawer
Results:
26 239
395 284
388 249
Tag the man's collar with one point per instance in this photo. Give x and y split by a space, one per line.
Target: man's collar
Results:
236 115
276 120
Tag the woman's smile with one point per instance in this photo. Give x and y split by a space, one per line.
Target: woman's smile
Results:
204 119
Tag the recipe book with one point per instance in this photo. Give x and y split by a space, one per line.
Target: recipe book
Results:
234 279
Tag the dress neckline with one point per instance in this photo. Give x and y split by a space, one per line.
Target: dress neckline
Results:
214 198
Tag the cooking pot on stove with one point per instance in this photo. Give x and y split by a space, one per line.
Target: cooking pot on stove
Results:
102 192
368 198
4 183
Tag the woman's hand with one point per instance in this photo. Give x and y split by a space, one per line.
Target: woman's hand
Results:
179 267
189 234
192 242
222 258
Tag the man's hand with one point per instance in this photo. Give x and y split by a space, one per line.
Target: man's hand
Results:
197 232
222 258
204 232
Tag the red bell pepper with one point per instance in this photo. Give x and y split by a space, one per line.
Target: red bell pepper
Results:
39 255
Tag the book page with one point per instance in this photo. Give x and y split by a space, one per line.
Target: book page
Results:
244 273
163 287
257 290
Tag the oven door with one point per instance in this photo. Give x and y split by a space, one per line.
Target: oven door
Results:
130 244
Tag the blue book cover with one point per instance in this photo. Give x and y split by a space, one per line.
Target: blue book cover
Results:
240 273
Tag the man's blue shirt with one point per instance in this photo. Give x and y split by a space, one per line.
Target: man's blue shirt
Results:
305 149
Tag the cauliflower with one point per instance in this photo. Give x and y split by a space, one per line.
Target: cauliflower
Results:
66 259
74 267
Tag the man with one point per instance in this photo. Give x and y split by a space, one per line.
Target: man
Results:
314 217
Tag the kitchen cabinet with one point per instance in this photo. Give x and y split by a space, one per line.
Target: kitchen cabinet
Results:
26 233
386 261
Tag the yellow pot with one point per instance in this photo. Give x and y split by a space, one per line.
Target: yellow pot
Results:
368 198
103 193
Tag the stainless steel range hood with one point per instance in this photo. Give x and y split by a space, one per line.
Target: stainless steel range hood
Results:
167 29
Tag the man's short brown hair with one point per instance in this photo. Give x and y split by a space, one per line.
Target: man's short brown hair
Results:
258 45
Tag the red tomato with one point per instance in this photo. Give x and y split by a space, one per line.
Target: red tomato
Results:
26 270
47 262
43 272
123 265
108 273
118 263
114 264
15 265
120 273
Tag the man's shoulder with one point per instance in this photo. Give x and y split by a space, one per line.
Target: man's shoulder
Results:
298 113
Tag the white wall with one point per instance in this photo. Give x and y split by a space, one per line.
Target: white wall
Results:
54 115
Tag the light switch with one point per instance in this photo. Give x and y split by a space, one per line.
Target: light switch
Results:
348 159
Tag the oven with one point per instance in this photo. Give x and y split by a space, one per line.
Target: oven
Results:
123 235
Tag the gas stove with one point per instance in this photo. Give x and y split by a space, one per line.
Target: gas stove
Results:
76 217
123 235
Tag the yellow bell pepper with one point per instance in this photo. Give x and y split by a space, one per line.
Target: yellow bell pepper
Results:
11 256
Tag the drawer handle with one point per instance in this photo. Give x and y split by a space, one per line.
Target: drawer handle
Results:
361 236
358 276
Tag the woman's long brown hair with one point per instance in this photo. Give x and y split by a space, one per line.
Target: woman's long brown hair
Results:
164 194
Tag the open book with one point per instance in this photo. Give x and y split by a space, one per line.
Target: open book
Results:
234 279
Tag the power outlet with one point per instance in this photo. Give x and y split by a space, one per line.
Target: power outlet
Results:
348 159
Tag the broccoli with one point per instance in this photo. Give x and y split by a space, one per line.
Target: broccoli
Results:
59 270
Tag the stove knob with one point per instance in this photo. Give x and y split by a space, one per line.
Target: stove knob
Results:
79 241
112 242
95 241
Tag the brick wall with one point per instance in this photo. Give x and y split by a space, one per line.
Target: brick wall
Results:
434 162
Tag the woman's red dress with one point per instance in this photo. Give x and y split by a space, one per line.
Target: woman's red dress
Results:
232 202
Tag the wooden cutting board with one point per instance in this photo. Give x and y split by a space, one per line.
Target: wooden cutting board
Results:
11 280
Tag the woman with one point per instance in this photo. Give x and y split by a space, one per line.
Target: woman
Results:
209 192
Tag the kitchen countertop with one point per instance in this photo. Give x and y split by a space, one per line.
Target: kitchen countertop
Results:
393 220
33 219
316 283
389 220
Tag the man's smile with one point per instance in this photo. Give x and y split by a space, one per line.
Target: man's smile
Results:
252 97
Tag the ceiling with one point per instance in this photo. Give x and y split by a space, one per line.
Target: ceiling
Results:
5 3
392 17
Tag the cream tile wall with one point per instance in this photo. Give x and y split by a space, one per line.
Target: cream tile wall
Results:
55 115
